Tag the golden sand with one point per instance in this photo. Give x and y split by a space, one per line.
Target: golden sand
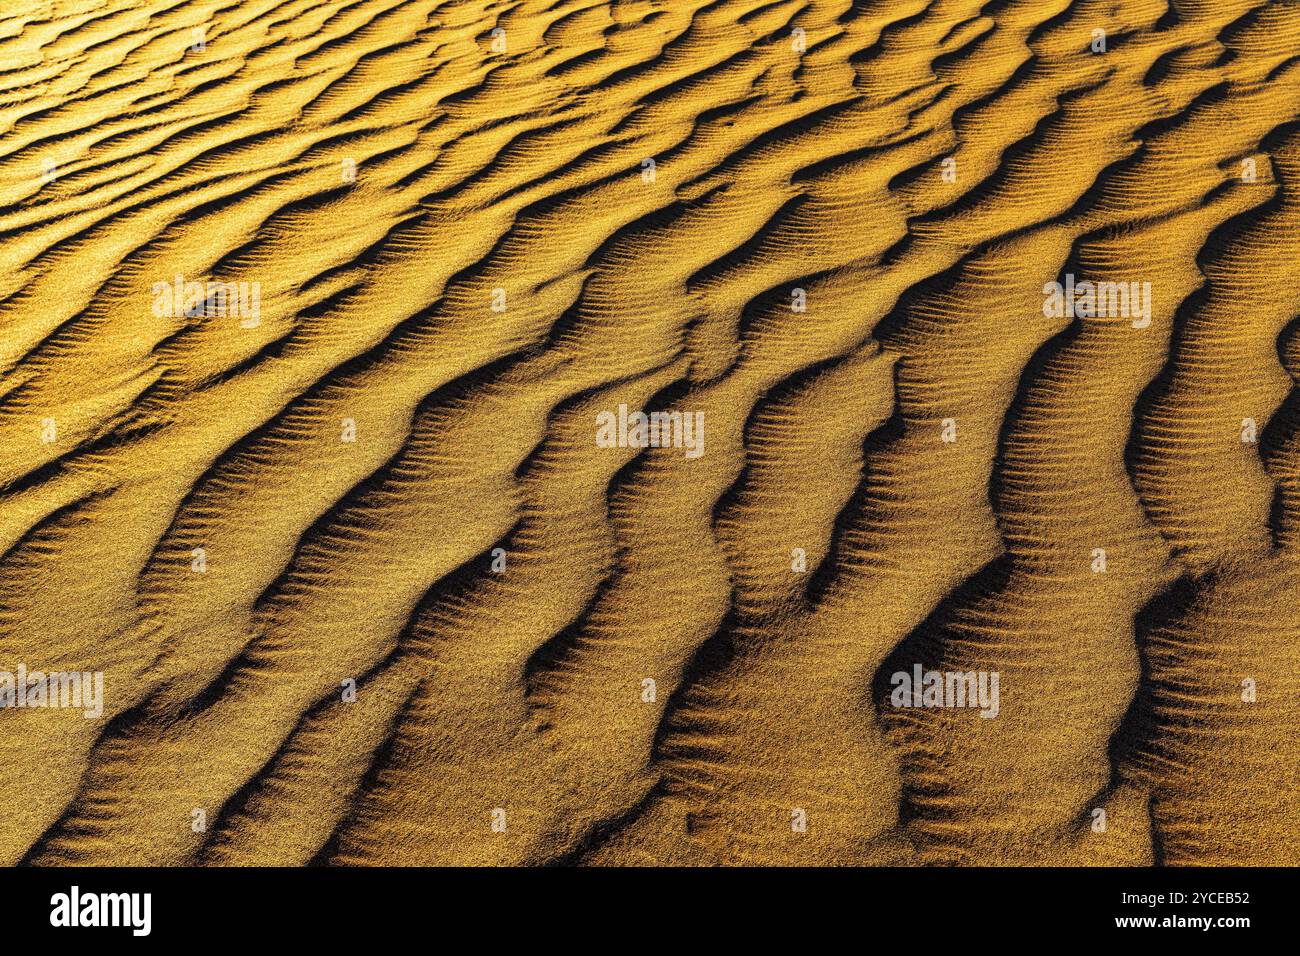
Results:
366 586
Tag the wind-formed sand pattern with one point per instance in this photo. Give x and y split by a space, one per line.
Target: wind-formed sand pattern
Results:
365 585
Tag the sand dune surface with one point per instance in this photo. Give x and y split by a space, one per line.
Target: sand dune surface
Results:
557 431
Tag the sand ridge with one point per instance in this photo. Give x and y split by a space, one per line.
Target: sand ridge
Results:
363 584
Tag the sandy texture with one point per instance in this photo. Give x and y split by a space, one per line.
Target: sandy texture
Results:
826 227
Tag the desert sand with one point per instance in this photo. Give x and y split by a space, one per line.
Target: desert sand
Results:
363 581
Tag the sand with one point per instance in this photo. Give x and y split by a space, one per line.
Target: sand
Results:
328 326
